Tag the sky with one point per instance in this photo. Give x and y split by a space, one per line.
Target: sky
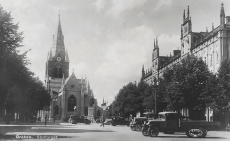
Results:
108 41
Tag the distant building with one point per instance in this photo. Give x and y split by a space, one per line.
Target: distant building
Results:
212 46
70 95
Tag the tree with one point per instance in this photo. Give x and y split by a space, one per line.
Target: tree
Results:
20 91
129 99
185 83
223 96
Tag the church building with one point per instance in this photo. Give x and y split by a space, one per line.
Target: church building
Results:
70 95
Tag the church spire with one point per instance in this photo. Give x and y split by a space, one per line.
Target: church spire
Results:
188 13
222 15
58 40
154 44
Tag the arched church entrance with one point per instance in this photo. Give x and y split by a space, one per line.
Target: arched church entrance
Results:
72 102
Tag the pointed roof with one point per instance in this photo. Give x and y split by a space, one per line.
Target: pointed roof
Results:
184 16
143 71
156 43
58 39
188 12
222 10
70 77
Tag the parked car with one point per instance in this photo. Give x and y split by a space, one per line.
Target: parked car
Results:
66 119
80 119
170 122
108 121
137 123
120 121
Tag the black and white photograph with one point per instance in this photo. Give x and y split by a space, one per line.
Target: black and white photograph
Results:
115 70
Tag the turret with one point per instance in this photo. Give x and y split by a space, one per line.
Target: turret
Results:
188 13
222 15
184 17
156 43
143 72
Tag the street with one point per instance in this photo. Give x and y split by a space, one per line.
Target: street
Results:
82 132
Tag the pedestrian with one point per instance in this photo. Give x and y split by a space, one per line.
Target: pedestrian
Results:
102 122
54 118
45 119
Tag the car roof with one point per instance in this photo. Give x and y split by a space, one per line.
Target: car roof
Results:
163 113
146 113
140 117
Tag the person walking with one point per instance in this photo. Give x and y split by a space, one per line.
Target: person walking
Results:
102 121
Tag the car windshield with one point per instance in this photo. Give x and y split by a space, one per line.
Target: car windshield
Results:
161 117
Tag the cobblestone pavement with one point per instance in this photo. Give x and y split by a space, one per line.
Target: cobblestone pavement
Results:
92 132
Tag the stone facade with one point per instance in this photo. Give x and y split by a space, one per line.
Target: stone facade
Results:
212 46
70 95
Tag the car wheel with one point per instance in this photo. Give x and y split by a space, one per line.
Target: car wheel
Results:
132 128
196 133
144 132
138 127
153 132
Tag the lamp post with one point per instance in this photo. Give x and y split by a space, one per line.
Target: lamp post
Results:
155 95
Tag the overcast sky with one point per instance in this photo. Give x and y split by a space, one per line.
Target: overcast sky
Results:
108 41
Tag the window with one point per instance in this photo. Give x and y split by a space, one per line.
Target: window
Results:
211 60
58 72
71 103
217 57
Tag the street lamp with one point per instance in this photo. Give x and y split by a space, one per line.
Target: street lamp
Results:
155 95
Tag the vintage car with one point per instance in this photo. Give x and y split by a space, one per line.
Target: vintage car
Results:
80 119
136 124
120 121
170 122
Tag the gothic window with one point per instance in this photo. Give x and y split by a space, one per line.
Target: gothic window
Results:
58 70
217 57
72 102
56 110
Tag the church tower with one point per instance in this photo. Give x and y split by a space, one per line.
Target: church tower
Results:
57 63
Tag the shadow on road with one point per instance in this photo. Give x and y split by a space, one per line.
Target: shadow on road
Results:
206 138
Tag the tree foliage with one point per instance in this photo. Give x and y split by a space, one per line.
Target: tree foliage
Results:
20 90
223 97
184 85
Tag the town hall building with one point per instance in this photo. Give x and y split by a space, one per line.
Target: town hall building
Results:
212 46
